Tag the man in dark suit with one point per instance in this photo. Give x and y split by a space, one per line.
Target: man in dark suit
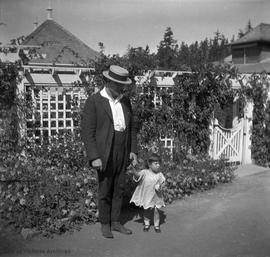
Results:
109 136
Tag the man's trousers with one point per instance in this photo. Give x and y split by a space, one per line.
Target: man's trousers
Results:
112 181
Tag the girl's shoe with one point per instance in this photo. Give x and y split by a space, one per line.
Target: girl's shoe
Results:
157 229
146 228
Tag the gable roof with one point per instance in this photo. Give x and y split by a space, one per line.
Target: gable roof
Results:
59 46
261 33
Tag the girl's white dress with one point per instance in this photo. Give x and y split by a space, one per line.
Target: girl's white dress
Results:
145 194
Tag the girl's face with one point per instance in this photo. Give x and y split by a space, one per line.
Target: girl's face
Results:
154 166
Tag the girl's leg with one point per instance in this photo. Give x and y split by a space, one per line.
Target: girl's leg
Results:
146 216
146 220
156 217
156 220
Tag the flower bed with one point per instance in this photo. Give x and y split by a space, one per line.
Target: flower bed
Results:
49 188
196 174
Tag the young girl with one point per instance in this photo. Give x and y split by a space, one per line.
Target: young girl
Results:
148 191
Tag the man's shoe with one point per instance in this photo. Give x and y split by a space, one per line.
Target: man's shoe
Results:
116 226
106 230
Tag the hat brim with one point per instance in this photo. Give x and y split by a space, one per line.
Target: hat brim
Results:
106 75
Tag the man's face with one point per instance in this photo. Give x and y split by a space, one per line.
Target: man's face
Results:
116 89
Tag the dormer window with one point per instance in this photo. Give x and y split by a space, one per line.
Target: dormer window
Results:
246 54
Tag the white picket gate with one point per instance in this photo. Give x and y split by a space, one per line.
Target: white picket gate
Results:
228 142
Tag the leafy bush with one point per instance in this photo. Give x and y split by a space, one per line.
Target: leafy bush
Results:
256 90
198 173
48 187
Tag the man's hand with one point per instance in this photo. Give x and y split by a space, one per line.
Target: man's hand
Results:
97 164
133 157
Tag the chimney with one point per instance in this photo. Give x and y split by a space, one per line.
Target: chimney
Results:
35 24
49 11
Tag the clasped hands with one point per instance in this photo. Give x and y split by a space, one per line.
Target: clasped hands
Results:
159 187
97 163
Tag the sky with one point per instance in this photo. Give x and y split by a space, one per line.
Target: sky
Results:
122 23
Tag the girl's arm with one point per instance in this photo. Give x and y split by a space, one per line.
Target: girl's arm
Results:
138 175
133 171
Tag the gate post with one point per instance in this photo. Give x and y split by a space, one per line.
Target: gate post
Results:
246 157
211 137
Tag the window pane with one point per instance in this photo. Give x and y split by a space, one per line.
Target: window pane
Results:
45 107
45 133
53 106
45 124
68 101
53 98
68 122
60 123
37 133
60 115
53 115
60 97
53 124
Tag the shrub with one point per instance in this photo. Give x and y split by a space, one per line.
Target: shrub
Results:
197 173
48 187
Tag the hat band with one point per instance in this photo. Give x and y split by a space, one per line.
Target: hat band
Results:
117 77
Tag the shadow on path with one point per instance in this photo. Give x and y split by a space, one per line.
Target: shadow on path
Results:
132 212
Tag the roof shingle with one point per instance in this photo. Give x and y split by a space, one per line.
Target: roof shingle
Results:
59 45
261 33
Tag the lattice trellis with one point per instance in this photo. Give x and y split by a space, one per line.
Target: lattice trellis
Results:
54 109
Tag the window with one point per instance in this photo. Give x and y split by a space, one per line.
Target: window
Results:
167 142
53 109
238 56
252 54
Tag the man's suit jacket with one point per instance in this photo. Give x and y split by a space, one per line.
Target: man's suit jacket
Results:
97 129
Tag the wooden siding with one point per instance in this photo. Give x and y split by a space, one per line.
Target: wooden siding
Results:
252 54
265 52
238 56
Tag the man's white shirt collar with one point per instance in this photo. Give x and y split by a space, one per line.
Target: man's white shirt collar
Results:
117 111
104 93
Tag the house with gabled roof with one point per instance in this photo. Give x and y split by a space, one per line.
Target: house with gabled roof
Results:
55 67
250 54
57 46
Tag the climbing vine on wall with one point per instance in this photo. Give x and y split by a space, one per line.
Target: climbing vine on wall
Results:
257 91
8 106
187 108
